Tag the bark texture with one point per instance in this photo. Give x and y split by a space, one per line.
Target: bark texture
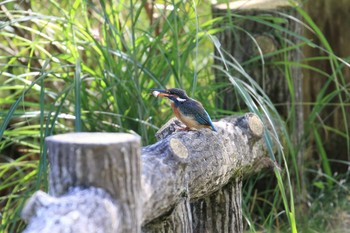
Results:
80 210
221 212
190 180
84 160
204 168
247 40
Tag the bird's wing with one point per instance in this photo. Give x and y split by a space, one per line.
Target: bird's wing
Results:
196 109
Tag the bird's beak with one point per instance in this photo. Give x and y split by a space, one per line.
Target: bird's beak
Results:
159 92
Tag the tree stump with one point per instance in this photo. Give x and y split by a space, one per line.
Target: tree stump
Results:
245 39
94 183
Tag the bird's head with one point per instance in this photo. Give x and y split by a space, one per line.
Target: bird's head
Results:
174 94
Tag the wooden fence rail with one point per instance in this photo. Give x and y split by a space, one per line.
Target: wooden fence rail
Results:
189 181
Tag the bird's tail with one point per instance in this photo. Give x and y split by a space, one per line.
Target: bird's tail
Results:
213 127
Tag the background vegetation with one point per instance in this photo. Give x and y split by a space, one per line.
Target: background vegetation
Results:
88 66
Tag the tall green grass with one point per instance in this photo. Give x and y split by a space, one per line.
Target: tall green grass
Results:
89 65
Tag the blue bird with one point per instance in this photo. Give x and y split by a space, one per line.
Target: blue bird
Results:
189 111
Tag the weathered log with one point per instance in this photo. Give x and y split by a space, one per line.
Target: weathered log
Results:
79 162
198 164
181 174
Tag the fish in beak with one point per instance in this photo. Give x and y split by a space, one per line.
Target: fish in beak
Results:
160 92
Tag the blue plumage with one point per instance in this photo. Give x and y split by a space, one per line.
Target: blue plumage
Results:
187 110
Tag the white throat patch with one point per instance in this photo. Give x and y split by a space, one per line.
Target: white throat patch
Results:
180 100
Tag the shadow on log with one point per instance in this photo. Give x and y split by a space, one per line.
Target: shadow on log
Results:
189 181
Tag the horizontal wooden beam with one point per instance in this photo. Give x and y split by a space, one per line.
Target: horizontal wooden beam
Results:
95 176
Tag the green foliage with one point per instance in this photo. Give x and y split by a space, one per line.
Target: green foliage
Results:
89 65
86 66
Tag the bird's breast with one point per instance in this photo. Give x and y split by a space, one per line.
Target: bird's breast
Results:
176 111
188 120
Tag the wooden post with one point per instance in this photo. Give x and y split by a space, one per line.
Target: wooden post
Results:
178 220
97 177
221 212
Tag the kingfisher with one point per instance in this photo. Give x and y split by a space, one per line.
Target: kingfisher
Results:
189 111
